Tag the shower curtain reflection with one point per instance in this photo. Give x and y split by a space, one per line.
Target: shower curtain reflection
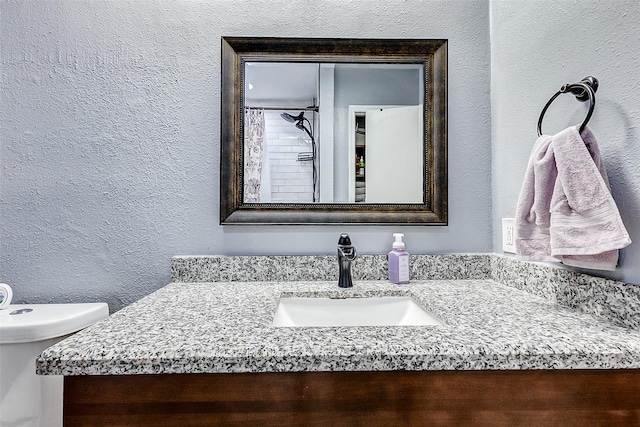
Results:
253 155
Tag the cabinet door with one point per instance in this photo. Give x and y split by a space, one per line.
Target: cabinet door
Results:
395 157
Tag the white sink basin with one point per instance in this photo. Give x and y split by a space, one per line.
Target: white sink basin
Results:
374 311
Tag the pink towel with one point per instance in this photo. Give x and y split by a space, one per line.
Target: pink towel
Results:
565 211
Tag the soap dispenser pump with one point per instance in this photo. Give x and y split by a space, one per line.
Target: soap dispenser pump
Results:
398 260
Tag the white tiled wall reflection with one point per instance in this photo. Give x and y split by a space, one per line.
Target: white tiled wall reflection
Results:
291 180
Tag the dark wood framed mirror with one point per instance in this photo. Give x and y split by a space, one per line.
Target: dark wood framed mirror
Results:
428 56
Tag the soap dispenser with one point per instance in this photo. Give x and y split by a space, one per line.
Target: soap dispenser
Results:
398 260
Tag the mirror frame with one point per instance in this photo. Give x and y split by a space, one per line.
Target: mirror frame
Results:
236 51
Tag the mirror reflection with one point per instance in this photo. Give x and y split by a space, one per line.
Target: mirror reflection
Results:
326 131
322 132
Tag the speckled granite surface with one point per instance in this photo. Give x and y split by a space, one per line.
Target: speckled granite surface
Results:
609 300
190 269
225 327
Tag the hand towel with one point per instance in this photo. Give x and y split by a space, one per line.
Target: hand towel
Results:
565 210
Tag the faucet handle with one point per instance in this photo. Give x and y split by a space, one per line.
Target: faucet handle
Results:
348 252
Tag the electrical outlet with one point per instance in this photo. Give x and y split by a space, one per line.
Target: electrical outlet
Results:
509 235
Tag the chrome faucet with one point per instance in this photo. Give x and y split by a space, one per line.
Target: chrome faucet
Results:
346 254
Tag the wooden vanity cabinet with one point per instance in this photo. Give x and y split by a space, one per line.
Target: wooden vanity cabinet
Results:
390 398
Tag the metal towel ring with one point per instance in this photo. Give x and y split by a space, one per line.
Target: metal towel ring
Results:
584 90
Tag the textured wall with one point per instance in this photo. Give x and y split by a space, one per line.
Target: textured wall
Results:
110 136
535 48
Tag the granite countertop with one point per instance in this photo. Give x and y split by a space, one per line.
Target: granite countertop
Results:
226 327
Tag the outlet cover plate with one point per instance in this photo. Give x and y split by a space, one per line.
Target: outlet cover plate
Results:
509 235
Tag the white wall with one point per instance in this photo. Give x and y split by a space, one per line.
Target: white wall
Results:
536 47
109 136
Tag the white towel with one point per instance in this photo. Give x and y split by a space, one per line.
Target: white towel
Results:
565 211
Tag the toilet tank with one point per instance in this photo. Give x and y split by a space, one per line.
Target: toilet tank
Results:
26 330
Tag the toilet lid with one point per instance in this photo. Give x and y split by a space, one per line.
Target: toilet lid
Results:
20 323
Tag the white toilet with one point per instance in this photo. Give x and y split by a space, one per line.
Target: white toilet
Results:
25 331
